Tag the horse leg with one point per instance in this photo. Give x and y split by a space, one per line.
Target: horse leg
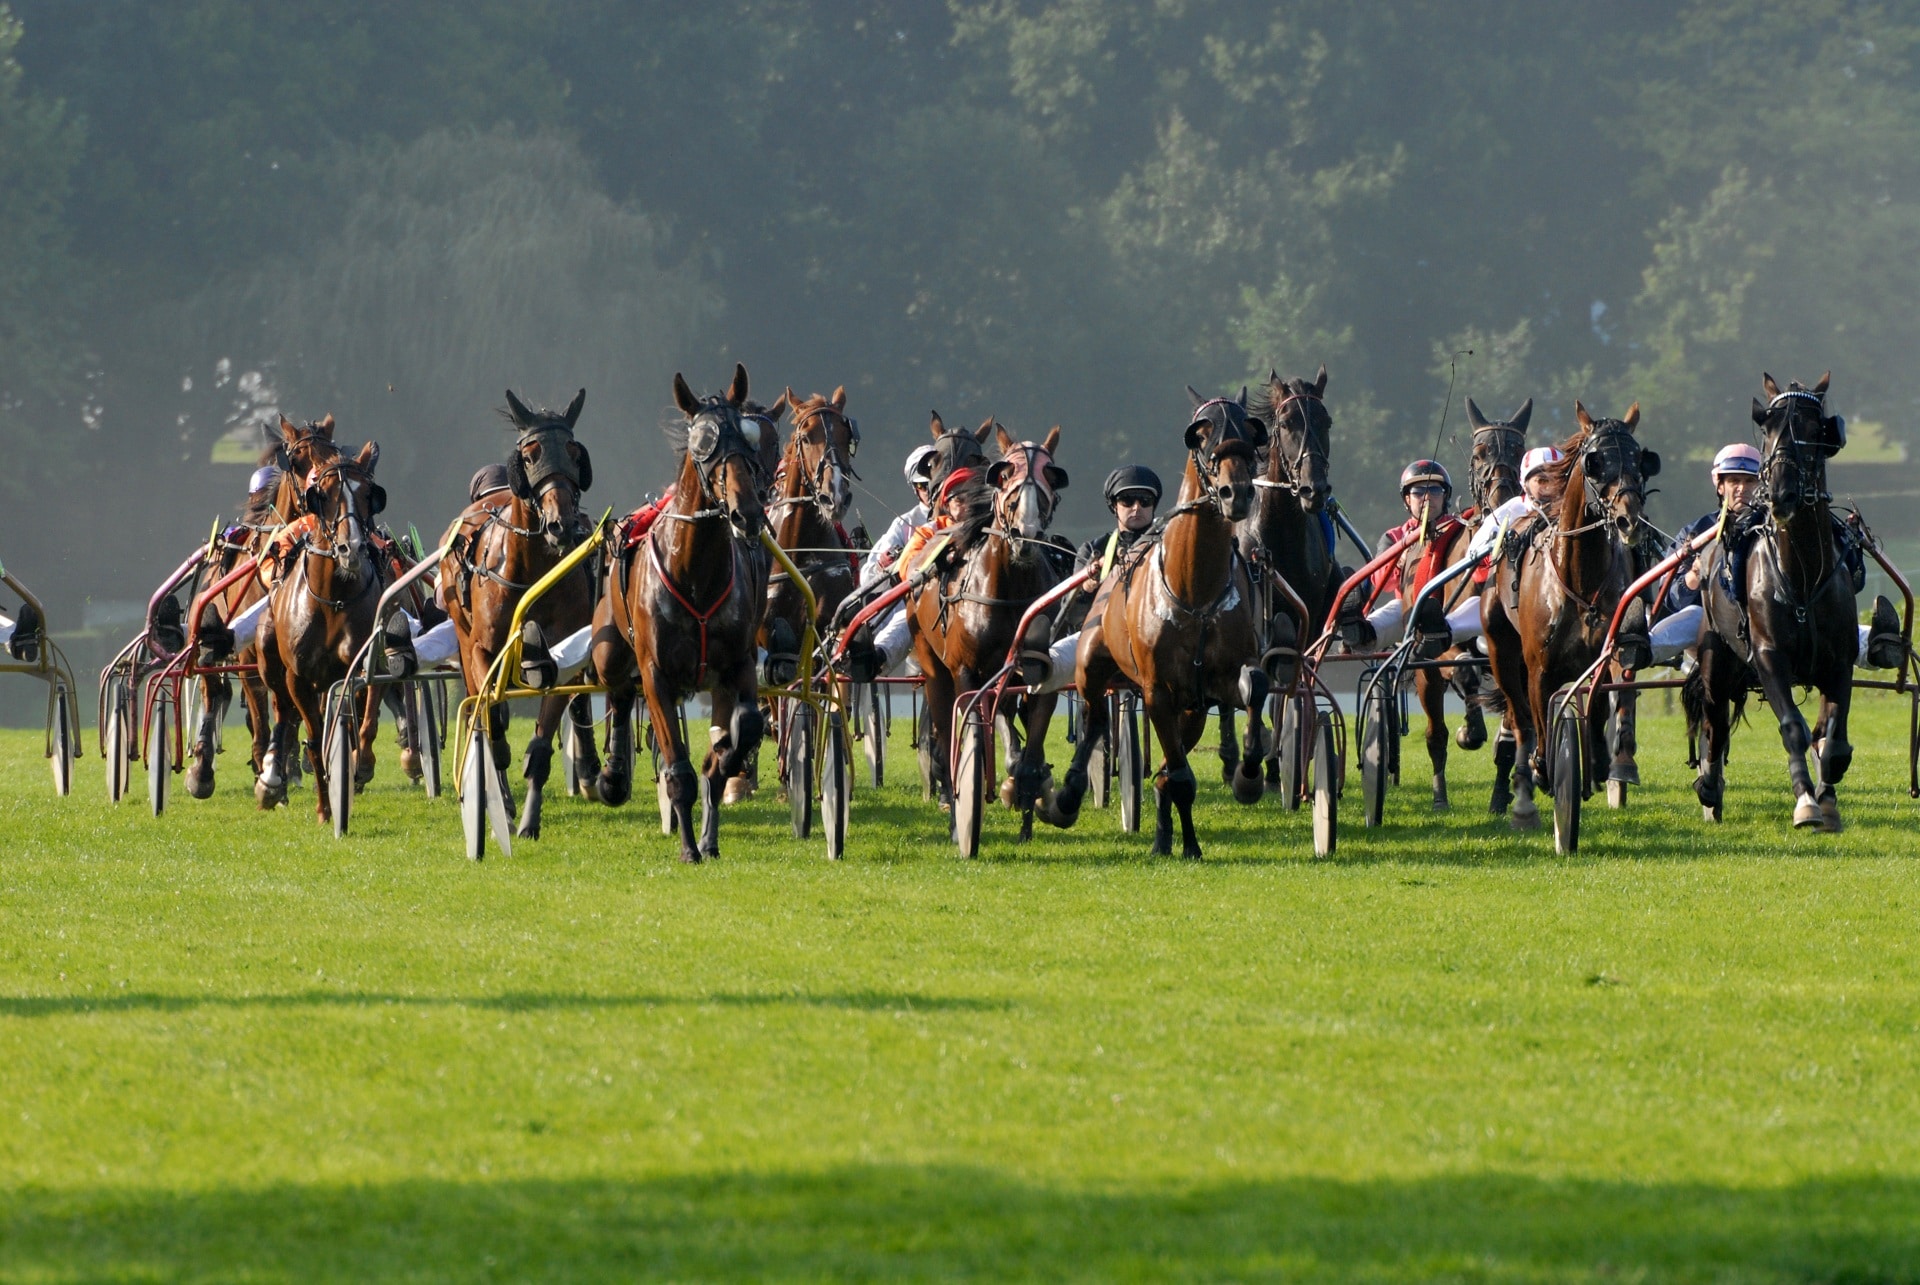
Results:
216 693
1626 708
370 701
615 783
939 691
1473 724
736 708
675 766
311 704
402 701
270 789
1793 735
745 783
259 703
1836 751
1033 775
1230 755
537 766
1096 714
1432 690
586 755
1175 785
1246 779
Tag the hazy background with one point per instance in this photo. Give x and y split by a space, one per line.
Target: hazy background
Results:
1052 212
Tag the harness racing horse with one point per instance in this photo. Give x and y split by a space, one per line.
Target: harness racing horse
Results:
1288 528
1791 624
1571 574
320 611
1495 478
683 606
970 595
1178 619
506 541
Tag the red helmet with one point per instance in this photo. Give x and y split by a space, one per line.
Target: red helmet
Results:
1425 471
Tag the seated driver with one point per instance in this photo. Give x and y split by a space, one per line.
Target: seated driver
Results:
1133 495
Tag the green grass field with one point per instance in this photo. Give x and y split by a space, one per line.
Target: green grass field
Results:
232 1048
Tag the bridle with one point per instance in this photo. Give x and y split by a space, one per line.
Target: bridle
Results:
1604 461
1027 465
1297 473
824 479
350 476
1504 446
714 436
953 449
1234 437
1806 457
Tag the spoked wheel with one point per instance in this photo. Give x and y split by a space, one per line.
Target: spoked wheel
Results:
969 784
800 766
1379 731
339 752
875 740
475 775
1100 762
62 741
427 730
836 781
1126 760
1289 741
117 742
160 755
1326 791
1568 783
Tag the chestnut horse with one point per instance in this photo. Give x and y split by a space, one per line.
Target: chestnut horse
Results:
1570 578
683 606
1177 618
320 610
1495 479
506 542
963 615
1791 624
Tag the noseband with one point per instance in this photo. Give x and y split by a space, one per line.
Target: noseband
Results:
1507 445
1234 439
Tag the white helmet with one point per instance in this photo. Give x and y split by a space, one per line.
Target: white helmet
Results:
1538 458
916 458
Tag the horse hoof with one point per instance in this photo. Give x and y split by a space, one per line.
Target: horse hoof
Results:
1711 811
614 791
588 787
1527 820
267 796
689 856
410 764
199 783
1008 792
739 790
1830 816
710 853
1627 773
1191 854
1500 802
1806 812
1441 805
1249 787
1472 734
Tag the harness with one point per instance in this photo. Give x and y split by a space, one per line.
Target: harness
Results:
700 617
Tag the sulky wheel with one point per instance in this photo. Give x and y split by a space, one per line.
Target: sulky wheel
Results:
62 741
1326 791
1379 731
159 754
1616 790
970 770
1568 782
875 741
339 752
1100 762
836 785
800 766
1290 749
426 730
116 743
475 774
1125 730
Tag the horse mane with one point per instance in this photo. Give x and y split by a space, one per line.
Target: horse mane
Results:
1555 474
1264 404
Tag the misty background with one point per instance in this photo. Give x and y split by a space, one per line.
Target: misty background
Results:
1054 212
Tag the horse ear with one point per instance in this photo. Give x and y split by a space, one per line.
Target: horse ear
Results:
780 405
369 457
1766 382
1522 416
980 434
326 428
839 398
1273 376
1581 417
1198 400
788 396
683 396
575 406
939 426
1002 438
1632 418
737 390
1474 418
289 430
517 411
1759 412
1821 387
1052 440
1243 397
1320 381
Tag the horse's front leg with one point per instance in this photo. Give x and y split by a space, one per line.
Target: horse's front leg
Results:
1063 809
370 701
1175 785
676 767
311 704
939 694
1246 779
1432 690
1709 784
1793 734
740 726
1836 751
1033 775
1626 708
216 693
614 663
1230 754
270 788
537 766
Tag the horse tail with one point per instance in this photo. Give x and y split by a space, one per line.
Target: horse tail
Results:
1693 699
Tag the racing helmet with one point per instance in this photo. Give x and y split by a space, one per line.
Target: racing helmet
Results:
263 478
1425 471
1538 458
917 461
1738 459
1133 477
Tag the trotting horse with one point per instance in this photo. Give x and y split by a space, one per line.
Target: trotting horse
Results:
682 608
1570 577
1495 479
320 611
506 541
971 595
1791 624
1178 620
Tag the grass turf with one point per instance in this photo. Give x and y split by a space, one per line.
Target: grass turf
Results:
234 1048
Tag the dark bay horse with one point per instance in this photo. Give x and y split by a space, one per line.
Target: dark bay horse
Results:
1791 624
1495 478
963 616
1178 619
321 611
683 606
1287 528
1549 628
506 542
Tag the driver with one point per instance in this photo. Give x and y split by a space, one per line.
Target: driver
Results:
1426 490
1133 495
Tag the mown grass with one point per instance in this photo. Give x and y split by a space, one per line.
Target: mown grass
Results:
233 1048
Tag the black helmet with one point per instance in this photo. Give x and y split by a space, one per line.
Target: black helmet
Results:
488 480
1134 477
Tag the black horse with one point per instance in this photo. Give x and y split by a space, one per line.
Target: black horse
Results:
1788 621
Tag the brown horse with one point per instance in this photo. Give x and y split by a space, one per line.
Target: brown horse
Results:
321 610
1570 577
1178 620
506 542
1791 623
1495 479
970 596
682 609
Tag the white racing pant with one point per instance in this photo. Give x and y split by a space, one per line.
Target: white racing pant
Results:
6 630
1680 631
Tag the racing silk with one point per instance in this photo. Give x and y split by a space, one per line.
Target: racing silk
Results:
917 541
1487 534
1679 597
880 559
1439 540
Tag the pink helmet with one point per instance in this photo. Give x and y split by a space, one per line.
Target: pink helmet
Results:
1739 458
1538 458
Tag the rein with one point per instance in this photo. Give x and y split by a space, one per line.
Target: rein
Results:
1309 454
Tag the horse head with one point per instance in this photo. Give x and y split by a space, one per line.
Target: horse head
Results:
343 497
1222 440
1614 469
1798 438
1027 485
724 464
306 446
761 426
1498 445
956 449
547 468
1298 456
821 450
